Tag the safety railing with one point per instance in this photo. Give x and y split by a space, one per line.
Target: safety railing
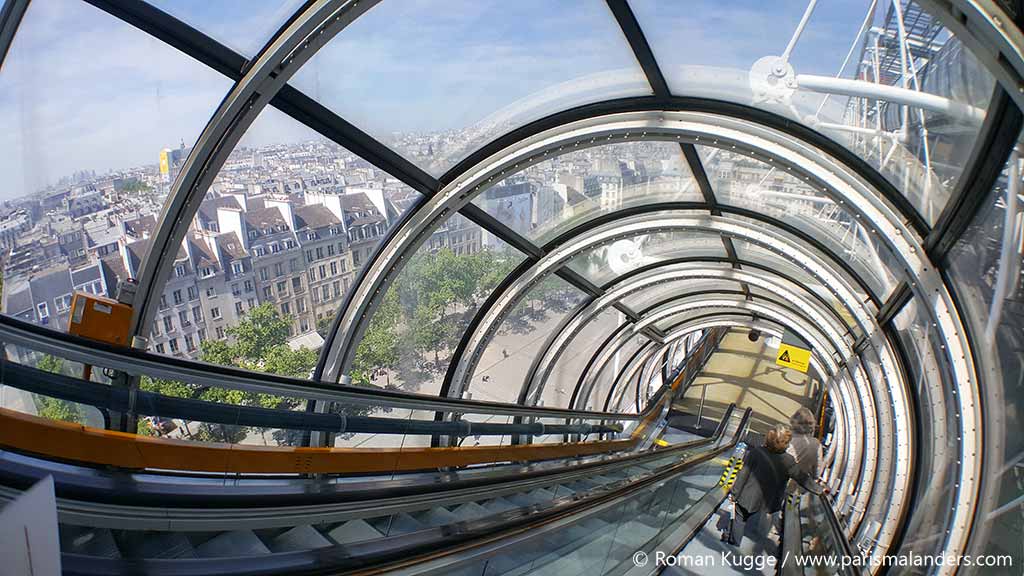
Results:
250 422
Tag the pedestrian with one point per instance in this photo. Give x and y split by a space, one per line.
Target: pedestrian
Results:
805 447
760 490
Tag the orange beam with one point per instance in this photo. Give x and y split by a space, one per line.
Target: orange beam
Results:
74 442
66 441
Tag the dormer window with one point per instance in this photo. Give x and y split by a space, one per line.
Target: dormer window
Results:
236 267
252 235
179 271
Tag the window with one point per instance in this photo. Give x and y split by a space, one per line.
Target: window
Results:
220 332
43 310
248 285
326 292
160 349
330 249
179 271
319 252
183 319
355 258
156 329
202 334
235 290
189 343
297 284
301 305
197 314
215 313
279 269
282 288
341 247
309 255
267 295
305 325
263 274
206 272
168 324
337 288
173 343
62 302
289 244
193 293
238 308
344 265
293 265
177 297
211 292
252 234
251 302
334 268
260 251
275 247
286 308
312 275
237 267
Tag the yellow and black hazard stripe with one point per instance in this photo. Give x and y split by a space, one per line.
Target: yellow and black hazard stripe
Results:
732 468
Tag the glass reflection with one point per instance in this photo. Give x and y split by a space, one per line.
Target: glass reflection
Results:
243 25
605 263
556 195
743 182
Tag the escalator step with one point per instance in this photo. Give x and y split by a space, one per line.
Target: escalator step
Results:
354 531
299 538
236 543
436 517
398 524
88 541
470 510
498 505
165 545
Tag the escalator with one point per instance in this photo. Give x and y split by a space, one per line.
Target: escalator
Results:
566 517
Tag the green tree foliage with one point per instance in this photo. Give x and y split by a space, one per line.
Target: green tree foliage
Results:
55 408
379 346
259 343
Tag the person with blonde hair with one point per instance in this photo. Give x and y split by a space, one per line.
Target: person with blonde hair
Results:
760 489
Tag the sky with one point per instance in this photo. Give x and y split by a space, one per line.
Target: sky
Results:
82 90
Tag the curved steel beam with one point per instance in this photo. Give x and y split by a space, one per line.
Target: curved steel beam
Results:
266 75
535 380
644 224
773 147
804 237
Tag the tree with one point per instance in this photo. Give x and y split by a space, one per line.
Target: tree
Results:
55 408
378 350
261 329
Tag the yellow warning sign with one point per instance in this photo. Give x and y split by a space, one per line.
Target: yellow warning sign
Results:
793 357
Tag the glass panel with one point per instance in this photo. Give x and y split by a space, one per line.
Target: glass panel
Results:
744 182
649 298
272 251
929 376
921 151
549 198
610 372
568 368
757 254
434 299
435 81
503 366
245 26
81 156
605 263
985 270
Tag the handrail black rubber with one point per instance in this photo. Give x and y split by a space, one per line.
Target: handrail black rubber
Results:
122 488
38 336
118 399
400 548
837 532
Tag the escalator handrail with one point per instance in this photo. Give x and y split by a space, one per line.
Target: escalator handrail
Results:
124 490
118 399
838 534
406 548
135 361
